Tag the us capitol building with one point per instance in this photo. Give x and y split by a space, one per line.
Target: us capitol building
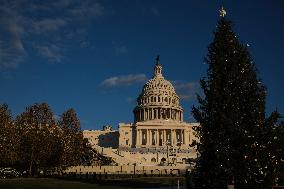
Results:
158 135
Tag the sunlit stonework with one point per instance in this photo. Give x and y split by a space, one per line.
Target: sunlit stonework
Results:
158 135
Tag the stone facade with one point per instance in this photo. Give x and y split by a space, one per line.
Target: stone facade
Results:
158 117
158 135
106 137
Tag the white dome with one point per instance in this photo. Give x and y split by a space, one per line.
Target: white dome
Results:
159 94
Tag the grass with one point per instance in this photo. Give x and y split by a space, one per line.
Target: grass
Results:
48 183
52 183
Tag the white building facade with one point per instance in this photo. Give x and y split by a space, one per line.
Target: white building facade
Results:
158 135
158 118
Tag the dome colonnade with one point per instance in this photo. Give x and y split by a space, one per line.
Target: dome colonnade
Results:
158 100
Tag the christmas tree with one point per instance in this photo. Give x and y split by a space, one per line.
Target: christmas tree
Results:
231 114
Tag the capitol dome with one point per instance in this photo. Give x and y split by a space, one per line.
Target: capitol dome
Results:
158 99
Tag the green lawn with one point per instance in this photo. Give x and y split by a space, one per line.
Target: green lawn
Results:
47 183
52 183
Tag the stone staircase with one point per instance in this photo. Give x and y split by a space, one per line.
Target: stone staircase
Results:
116 155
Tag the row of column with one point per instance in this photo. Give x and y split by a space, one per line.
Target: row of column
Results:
158 113
154 99
161 137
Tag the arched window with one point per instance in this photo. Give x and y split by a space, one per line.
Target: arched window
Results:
153 160
166 99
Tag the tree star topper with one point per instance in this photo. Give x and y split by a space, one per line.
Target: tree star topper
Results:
222 12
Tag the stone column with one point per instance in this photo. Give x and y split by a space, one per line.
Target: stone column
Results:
164 136
175 137
186 140
158 113
157 137
146 113
182 136
161 136
177 116
147 136
150 137
140 137
141 134
171 138
137 137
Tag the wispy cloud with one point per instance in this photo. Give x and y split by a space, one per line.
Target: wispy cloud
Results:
186 90
87 9
124 80
52 52
121 50
56 26
12 51
48 25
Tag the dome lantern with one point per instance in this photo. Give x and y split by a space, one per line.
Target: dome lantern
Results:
158 68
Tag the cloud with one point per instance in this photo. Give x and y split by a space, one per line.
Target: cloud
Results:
124 80
48 25
121 50
186 90
56 25
52 52
87 9
11 54
12 50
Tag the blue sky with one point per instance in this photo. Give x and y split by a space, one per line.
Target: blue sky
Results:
95 56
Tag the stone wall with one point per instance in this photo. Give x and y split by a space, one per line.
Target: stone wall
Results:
130 169
102 138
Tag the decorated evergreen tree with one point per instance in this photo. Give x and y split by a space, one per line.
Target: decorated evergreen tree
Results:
231 114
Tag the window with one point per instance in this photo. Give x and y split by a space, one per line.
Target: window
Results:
126 133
